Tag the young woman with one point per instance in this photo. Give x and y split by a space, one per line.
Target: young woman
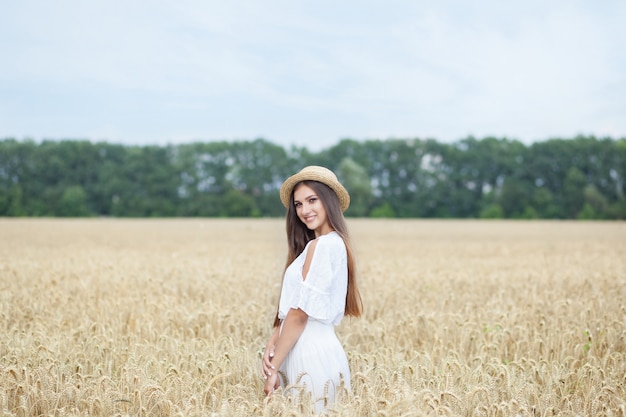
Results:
319 288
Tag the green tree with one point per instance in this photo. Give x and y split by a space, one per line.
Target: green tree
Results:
354 177
492 211
238 204
529 213
74 202
617 210
573 192
513 197
478 168
11 202
146 184
587 213
413 177
596 201
384 210
543 201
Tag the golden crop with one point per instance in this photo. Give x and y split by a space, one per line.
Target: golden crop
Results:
169 317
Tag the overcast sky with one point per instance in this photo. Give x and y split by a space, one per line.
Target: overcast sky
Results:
310 73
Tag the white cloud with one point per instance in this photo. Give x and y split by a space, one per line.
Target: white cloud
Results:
312 72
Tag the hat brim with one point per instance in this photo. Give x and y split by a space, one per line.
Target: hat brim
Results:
319 174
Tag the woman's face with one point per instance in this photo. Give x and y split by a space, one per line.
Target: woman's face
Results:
311 210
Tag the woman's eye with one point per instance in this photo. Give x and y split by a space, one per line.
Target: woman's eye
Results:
312 200
297 204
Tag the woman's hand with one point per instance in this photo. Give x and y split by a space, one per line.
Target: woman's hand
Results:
280 345
267 369
271 384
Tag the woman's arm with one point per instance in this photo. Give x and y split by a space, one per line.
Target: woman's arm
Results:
293 326
268 354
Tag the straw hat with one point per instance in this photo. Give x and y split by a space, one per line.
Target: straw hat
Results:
315 173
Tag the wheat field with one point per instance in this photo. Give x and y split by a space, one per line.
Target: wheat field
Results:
119 317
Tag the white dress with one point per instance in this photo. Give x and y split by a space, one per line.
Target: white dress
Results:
317 360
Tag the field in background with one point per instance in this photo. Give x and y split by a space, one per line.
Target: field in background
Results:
168 317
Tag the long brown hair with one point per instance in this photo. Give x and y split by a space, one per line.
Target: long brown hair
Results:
298 235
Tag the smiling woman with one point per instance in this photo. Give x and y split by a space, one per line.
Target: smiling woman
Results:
319 288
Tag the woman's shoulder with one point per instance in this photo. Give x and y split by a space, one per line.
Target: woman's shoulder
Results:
331 240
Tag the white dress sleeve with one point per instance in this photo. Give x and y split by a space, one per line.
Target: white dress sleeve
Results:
322 293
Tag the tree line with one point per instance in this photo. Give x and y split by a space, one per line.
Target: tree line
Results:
576 178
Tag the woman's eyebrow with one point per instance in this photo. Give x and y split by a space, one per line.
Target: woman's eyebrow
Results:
306 198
